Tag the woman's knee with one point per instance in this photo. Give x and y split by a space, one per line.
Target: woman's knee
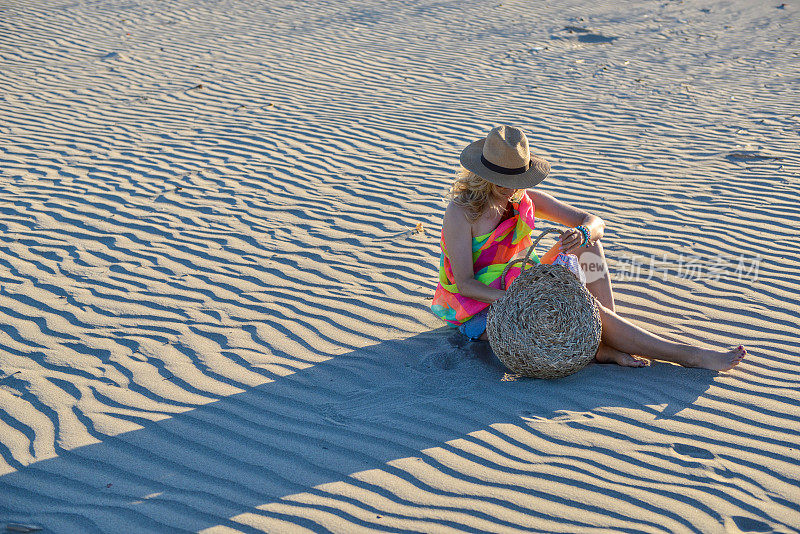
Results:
597 248
593 261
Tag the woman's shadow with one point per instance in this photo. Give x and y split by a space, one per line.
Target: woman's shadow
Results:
351 413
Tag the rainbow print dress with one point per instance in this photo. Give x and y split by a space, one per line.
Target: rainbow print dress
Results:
490 254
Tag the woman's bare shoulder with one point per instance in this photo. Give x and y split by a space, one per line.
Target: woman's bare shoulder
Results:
455 213
456 226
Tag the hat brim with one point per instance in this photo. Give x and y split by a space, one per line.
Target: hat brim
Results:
471 160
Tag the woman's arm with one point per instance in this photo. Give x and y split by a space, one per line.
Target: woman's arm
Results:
457 234
552 209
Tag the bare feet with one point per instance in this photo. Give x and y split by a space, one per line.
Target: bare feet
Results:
718 360
606 354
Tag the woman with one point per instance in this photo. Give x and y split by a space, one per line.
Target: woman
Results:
488 223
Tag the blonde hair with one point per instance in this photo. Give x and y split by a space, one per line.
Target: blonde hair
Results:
475 194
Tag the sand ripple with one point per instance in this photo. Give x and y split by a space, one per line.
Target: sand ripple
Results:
213 300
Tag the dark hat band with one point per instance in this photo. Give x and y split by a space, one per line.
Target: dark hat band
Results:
505 170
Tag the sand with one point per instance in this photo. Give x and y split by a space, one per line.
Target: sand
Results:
214 294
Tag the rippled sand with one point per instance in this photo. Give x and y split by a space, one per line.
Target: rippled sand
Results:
214 292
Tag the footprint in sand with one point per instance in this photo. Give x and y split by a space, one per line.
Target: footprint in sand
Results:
748 524
440 360
584 35
331 415
692 452
751 155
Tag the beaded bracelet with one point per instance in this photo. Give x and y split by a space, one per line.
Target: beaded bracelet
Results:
585 232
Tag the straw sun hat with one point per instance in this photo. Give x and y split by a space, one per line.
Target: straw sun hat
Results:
504 158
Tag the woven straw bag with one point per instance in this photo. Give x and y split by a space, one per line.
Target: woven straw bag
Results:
547 325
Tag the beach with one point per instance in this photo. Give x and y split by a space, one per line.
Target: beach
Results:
220 240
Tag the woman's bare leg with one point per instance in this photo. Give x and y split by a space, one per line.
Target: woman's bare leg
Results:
598 279
598 283
626 336
621 338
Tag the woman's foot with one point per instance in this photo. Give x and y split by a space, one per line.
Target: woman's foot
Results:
717 360
606 354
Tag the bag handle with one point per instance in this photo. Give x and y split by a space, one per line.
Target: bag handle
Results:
527 258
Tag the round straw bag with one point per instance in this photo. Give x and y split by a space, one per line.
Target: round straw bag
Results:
547 325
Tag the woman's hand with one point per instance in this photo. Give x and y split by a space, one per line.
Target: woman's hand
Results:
570 239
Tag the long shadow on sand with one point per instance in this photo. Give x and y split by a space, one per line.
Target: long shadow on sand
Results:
351 413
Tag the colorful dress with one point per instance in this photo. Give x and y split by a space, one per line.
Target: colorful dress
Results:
490 254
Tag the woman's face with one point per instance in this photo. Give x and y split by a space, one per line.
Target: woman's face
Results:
507 192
